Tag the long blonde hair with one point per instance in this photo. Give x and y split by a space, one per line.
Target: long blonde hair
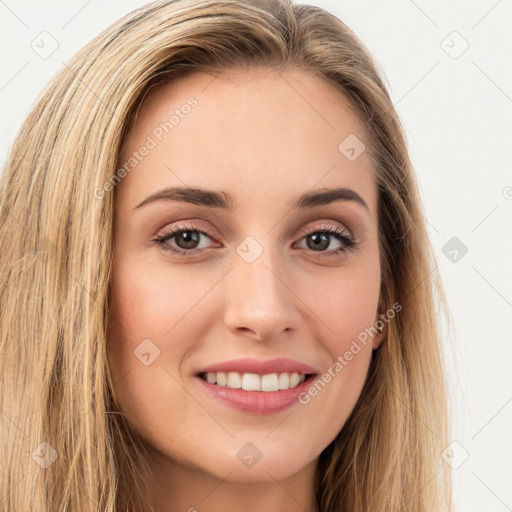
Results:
56 258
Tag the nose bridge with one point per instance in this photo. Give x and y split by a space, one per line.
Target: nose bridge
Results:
259 295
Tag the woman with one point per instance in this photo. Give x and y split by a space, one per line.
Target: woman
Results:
217 288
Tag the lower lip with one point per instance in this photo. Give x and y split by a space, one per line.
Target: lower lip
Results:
257 402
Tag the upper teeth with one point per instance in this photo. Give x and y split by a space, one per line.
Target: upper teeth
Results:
255 382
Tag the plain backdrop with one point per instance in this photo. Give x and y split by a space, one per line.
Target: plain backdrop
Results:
447 67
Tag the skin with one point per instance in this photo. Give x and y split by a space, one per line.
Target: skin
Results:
265 138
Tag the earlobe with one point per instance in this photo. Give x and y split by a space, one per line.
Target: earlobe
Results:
379 337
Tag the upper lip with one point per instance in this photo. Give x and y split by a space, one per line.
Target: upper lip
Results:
260 367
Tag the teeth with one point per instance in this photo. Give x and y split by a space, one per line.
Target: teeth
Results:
251 382
234 380
255 382
284 381
294 380
222 379
269 382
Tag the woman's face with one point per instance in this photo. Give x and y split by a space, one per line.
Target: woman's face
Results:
250 285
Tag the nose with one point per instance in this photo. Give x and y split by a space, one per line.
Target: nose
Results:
261 303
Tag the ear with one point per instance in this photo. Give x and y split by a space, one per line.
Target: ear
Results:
380 325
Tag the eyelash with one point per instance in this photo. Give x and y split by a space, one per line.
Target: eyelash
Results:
347 240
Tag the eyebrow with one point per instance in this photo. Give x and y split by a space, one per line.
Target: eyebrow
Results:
226 201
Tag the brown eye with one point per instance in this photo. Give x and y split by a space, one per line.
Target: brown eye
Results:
321 239
318 241
187 239
182 240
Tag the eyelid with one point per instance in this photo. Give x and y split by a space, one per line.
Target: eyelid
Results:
324 225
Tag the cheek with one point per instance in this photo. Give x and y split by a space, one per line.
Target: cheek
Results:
150 302
346 304
154 324
146 313
346 308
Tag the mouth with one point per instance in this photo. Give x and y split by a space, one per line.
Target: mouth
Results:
269 382
256 386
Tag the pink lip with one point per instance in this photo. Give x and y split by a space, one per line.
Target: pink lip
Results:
257 402
259 367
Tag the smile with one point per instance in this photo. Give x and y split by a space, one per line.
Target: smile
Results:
256 386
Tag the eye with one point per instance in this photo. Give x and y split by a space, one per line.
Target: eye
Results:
321 238
187 240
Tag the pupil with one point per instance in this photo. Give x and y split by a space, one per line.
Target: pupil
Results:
320 240
190 238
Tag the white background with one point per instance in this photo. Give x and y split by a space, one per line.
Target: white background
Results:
456 107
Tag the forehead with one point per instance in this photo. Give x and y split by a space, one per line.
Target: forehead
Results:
258 134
